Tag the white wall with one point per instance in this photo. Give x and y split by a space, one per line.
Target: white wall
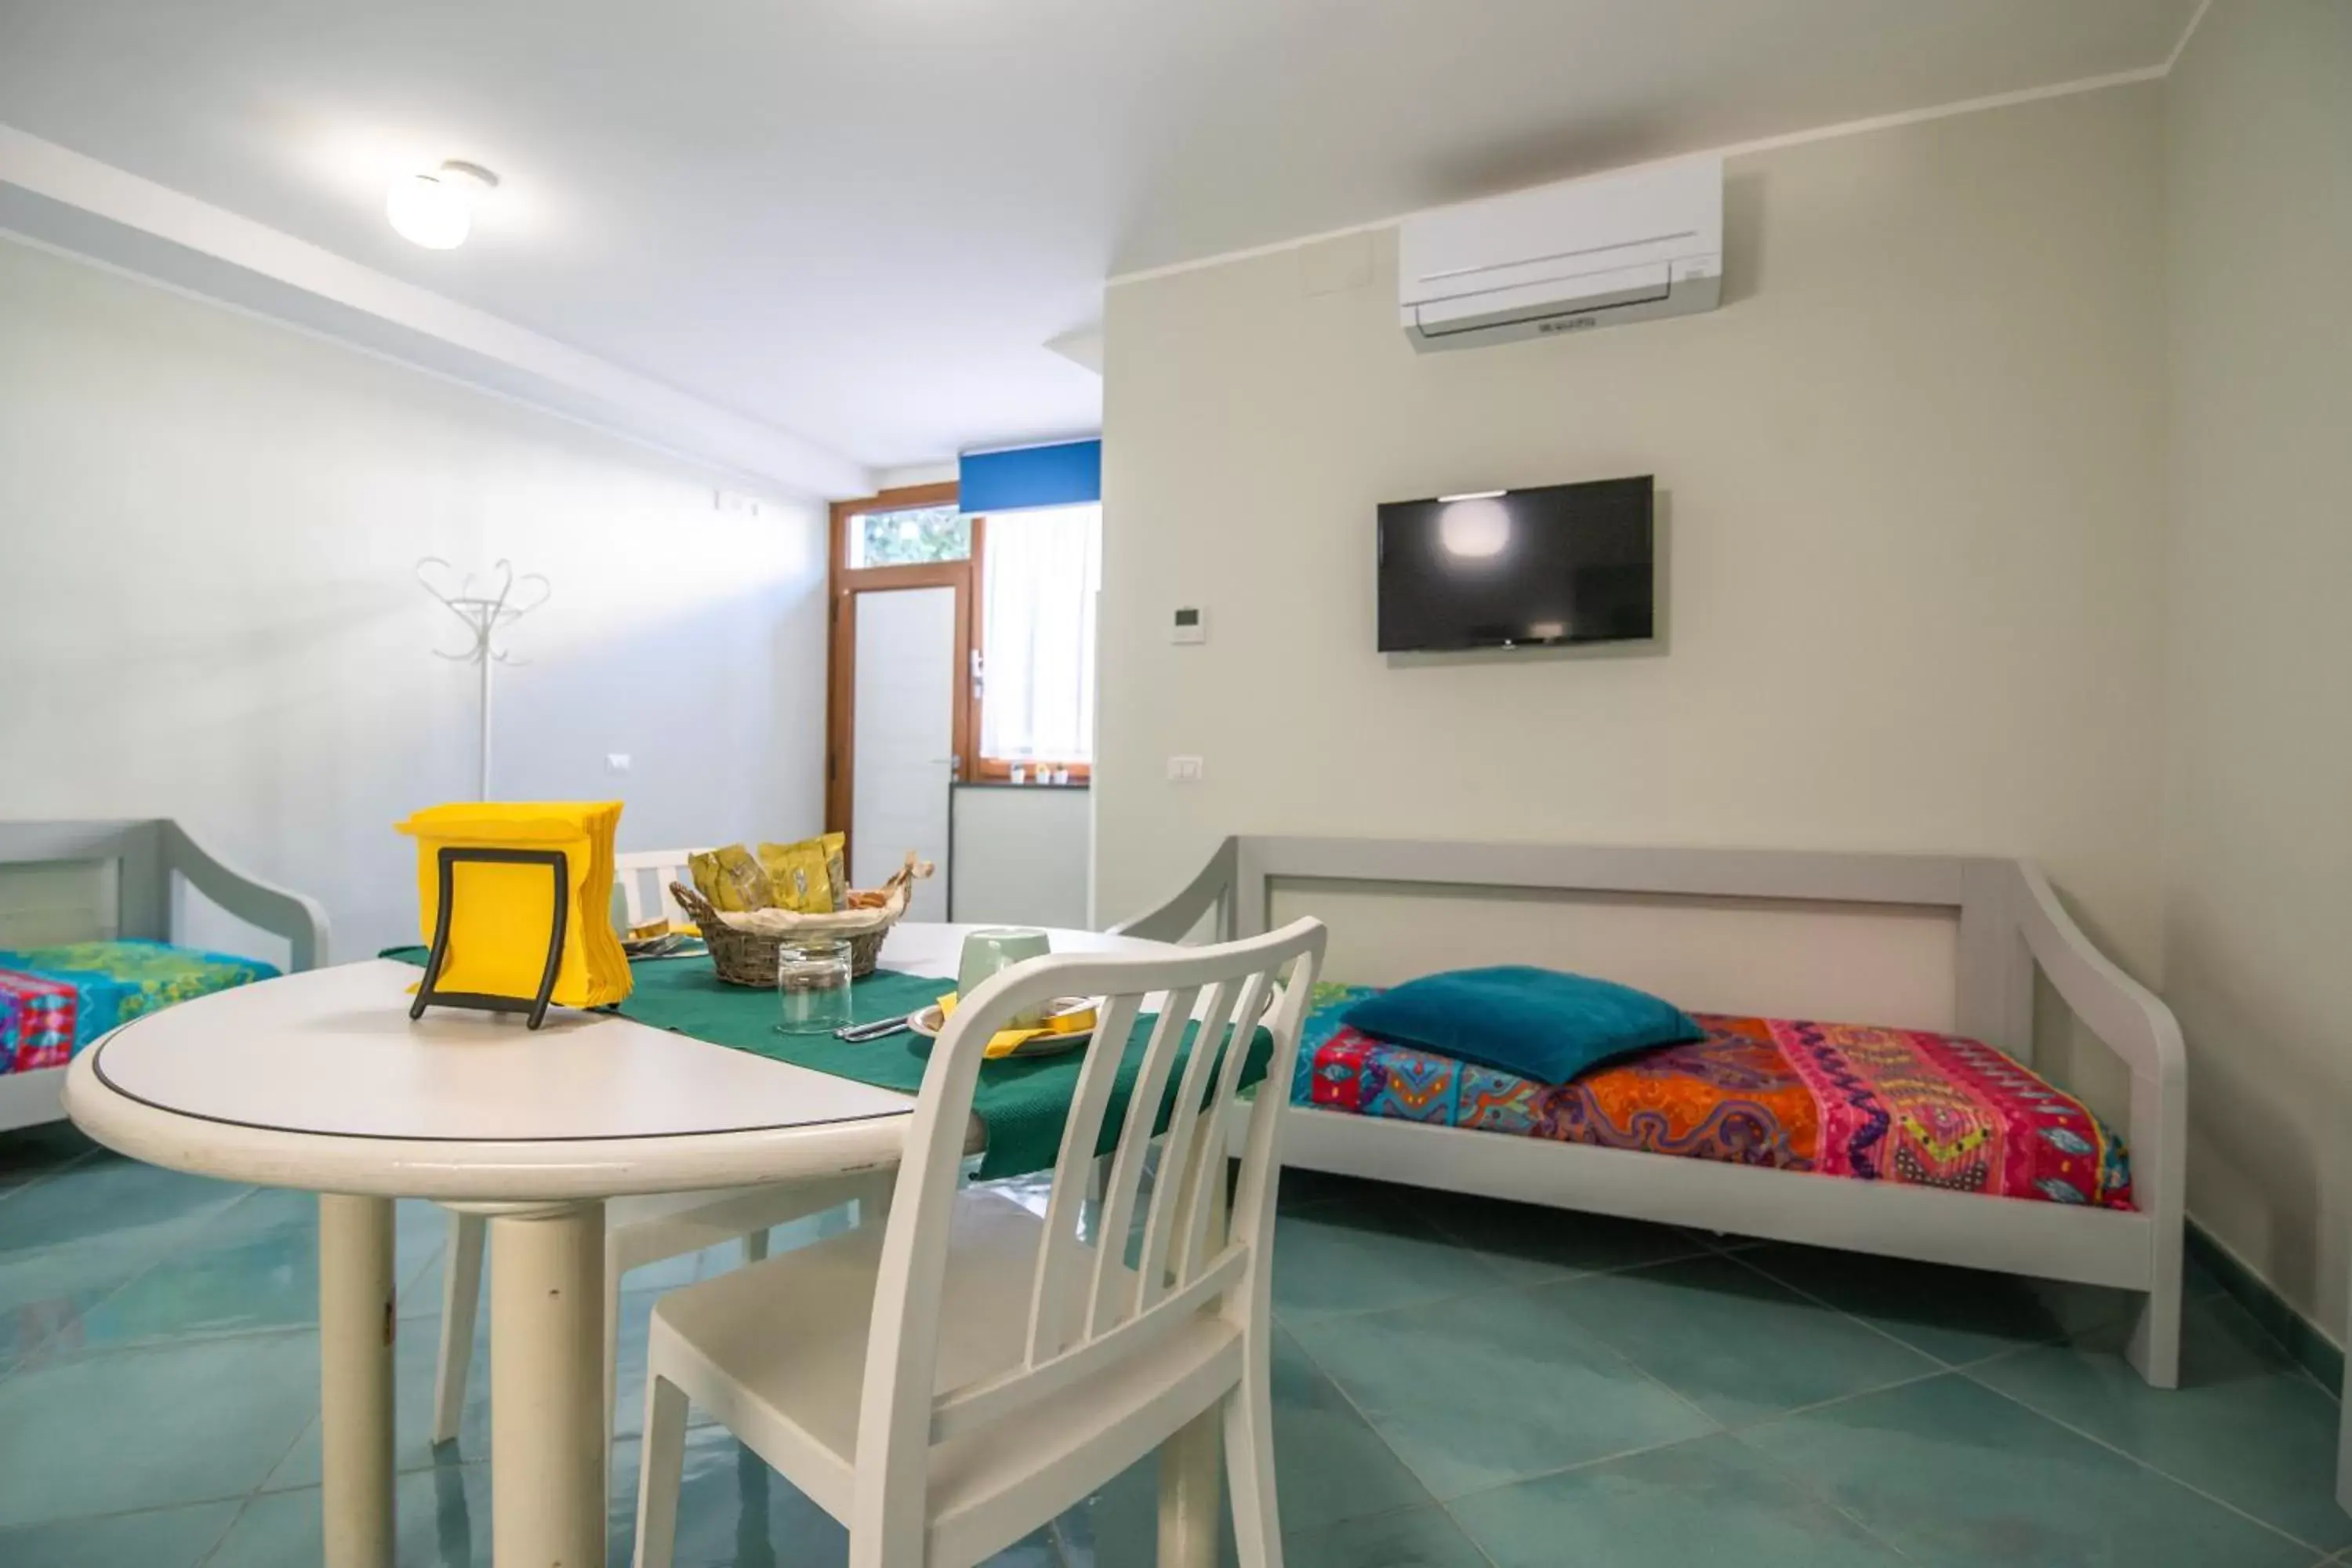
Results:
208 526
2258 840
1020 856
1911 493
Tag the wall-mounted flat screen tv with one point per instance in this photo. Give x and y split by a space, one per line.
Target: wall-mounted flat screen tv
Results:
1564 563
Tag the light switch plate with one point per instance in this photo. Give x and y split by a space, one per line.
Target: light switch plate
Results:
616 761
1183 769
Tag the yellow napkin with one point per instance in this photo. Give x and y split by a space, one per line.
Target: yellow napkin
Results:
731 880
505 913
818 862
1004 1042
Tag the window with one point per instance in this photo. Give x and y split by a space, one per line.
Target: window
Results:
908 536
1026 584
1040 574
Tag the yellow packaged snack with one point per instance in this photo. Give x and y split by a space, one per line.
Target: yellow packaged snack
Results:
502 914
836 866
808 877
731 880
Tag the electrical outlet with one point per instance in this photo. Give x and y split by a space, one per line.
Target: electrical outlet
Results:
1183 769
616 761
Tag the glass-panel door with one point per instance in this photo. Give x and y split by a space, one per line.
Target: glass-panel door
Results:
903 727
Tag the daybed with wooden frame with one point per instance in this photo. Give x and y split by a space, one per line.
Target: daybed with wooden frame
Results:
2009 925
138 870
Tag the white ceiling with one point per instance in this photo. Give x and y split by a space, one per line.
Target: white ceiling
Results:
860 221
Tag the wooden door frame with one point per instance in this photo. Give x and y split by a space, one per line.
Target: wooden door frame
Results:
843 584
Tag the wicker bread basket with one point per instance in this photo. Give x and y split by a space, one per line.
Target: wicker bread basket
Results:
744 957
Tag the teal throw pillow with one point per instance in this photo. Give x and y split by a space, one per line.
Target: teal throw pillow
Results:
1537 1023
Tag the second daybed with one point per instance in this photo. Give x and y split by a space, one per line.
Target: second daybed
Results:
1940 1144
100 950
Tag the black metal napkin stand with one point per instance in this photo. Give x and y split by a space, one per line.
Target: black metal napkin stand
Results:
429 995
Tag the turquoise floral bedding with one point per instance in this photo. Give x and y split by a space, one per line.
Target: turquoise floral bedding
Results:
56 1000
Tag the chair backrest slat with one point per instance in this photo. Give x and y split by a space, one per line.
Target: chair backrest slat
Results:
1195 1205
1059 1259
1087 1312
1127 1164
1229 1023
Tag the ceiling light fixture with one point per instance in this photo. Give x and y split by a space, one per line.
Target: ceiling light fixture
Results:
437 210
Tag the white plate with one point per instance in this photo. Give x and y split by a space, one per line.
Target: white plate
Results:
928 1022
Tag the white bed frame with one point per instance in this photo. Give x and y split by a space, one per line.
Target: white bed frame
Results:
150 860
2009 925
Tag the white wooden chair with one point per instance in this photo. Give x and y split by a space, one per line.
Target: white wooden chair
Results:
638 1231
946 1383
658 867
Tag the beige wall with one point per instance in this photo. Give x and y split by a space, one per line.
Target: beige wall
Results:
2258 820
1911 488
206 531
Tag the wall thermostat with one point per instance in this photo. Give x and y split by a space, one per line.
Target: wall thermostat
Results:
1190 625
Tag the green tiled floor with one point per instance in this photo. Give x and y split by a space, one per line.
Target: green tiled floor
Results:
1457 1385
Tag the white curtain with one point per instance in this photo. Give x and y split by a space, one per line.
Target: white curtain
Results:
1044 569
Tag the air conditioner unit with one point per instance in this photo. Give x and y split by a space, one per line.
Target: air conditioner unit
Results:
1560 258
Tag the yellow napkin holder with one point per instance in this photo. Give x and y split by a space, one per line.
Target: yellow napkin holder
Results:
513 900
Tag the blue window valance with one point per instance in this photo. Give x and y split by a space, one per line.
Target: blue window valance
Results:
1068 473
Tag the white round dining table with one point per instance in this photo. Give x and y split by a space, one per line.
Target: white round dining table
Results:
319 1081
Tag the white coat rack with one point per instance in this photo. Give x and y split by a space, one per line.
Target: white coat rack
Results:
485 614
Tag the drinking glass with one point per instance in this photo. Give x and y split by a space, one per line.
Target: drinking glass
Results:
812 987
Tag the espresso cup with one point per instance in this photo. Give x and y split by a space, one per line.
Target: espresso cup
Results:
1001 947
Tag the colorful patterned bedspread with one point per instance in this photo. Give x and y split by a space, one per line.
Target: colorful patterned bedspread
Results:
1842 1099
56 1000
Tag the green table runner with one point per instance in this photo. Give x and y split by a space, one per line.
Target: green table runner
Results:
1024 1102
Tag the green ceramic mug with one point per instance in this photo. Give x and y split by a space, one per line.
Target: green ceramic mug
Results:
1001 947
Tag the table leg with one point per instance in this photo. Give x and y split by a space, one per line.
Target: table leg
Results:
1191 1463
547 1386
355 1329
